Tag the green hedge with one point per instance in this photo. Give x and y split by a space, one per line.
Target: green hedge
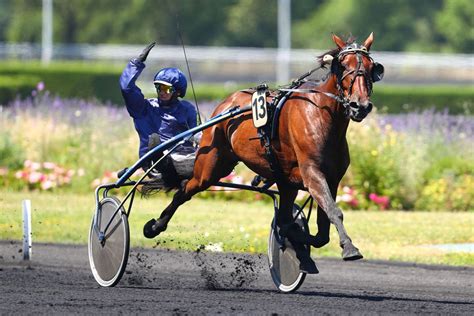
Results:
11 86
99 80
399 99
67 79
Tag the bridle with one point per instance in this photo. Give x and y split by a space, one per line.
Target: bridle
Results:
376 74
360 70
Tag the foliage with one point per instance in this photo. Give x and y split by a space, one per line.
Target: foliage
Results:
456 24
397 161
11 154
73 133
420 160
244 33
17 85
448 192
404 99
44 176
99 80
67 79
430 25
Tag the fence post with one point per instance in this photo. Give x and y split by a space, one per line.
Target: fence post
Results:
26 204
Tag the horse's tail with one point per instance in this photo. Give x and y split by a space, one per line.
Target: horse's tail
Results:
174 172
156 185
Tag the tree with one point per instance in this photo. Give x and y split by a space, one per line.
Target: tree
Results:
456 22
25 22
398 25
252 23
4 18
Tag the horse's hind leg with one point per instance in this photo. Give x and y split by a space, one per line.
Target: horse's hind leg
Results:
212 163
295 234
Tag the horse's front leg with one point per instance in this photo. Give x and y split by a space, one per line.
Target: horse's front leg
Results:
319 189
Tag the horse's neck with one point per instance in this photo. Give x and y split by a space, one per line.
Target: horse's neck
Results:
339 120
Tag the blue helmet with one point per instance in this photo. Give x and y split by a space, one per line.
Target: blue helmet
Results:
173 77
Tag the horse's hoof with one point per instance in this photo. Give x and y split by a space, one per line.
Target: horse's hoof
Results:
351 253
308 266
152 229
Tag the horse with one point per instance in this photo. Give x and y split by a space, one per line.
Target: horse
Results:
310 147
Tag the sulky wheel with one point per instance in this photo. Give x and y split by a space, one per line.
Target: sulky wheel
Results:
283 262
108 251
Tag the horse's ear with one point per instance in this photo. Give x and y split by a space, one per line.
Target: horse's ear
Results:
339 42
368 41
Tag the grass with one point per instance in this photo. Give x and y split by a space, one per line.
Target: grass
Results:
243 227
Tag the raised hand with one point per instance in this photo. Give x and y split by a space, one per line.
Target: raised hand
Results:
142 57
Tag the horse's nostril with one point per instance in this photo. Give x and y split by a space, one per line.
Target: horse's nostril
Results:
354 105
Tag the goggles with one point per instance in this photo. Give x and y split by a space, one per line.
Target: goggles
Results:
164 88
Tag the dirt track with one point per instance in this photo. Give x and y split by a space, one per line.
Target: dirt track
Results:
58 280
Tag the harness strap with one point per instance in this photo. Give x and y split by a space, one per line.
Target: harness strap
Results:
331 95
275 166
265 135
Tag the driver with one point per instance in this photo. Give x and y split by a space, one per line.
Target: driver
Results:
159 119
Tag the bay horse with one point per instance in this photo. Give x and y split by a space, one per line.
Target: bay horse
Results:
310 146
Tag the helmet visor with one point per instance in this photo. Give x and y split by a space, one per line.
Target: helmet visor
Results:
160 87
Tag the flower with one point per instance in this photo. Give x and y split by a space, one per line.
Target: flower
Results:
40 86
380 200
107 177
217 247
49 165
35 177
349 197
44 176
3 171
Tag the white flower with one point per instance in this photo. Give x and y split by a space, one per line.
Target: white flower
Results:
217 247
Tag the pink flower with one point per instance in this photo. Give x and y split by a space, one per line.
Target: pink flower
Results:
70 173
40 86
46 185
27 163
95 183
35 166
349 197
381 201
49 165
35 177
3 171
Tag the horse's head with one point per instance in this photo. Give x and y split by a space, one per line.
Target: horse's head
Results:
355 73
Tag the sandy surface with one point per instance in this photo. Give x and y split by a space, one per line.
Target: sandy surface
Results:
58 280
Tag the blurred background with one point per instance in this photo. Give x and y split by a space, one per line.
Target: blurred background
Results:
244 41
60 62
